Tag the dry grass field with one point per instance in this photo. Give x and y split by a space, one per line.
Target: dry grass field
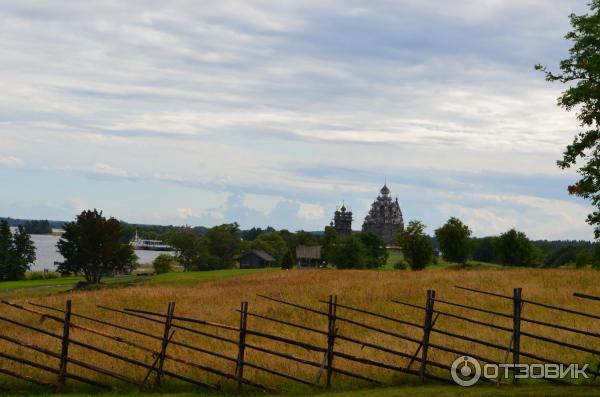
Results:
218 301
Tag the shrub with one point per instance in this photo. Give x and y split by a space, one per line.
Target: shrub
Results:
401 265
34 275
164 263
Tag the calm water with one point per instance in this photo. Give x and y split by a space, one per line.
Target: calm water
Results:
45 250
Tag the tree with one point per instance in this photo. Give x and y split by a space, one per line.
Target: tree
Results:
515 249
273 244
415 245
17 252
349 253
288 260
329 242
453 238
192 251
164 263
224 242
485 249
581 70
91 245
376 254
23 254
38 227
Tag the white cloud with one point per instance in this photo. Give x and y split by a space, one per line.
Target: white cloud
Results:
101 168
310 212
184 213
11 161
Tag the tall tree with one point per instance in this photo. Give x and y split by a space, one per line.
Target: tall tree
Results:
225 243
376 254
273 244
17 252
23 254
453 238
515 249
192 250
415 245
581 70
91 245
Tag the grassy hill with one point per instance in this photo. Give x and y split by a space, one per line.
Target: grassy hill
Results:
215 296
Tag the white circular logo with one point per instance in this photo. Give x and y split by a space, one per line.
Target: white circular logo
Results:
465 371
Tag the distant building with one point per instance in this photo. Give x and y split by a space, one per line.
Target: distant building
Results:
256 259
384 217
308 256
342 221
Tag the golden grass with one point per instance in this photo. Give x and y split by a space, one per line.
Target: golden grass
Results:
218 301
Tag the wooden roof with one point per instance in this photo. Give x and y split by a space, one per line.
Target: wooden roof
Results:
261 254
308 252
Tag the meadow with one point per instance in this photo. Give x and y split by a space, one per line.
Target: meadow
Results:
217 299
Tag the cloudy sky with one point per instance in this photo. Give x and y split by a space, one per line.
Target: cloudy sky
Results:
274 112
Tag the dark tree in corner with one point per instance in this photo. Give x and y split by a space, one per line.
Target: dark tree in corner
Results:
91 245
582 71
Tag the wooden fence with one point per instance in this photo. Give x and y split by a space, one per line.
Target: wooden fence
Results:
420 365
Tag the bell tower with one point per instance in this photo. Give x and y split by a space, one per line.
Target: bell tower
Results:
342 221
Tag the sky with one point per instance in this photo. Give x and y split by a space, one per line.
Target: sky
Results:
275 112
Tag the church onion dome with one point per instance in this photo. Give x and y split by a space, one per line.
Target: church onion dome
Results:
343 208
384 190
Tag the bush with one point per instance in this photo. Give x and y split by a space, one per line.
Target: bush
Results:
34 275
401 265
164 263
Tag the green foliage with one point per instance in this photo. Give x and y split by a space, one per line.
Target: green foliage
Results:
41 275
329 244
252 234
358 251
401 265
17 252
164 263
225 243
485 249
38 227
582 259
287 261
581 70
91 245
349 253
596 256
376 254
515 249
415 245
273 244
192 250
453 239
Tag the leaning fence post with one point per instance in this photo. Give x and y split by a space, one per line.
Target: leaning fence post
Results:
426 332
239 370
165 342
516 331
331 317
64 354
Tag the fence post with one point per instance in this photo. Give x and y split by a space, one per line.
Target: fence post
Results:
426 332
165 342
331 317
239 370
516 331
64 354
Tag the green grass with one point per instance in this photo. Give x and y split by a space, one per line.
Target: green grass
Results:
31 288
188 278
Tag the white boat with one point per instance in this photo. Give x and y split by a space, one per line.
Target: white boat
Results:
149 245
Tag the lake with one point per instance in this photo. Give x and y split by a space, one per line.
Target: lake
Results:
45 250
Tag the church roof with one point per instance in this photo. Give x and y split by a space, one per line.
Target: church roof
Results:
385 190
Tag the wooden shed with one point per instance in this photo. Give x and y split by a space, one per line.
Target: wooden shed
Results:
256 259
308 256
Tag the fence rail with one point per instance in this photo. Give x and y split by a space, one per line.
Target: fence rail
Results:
331 343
